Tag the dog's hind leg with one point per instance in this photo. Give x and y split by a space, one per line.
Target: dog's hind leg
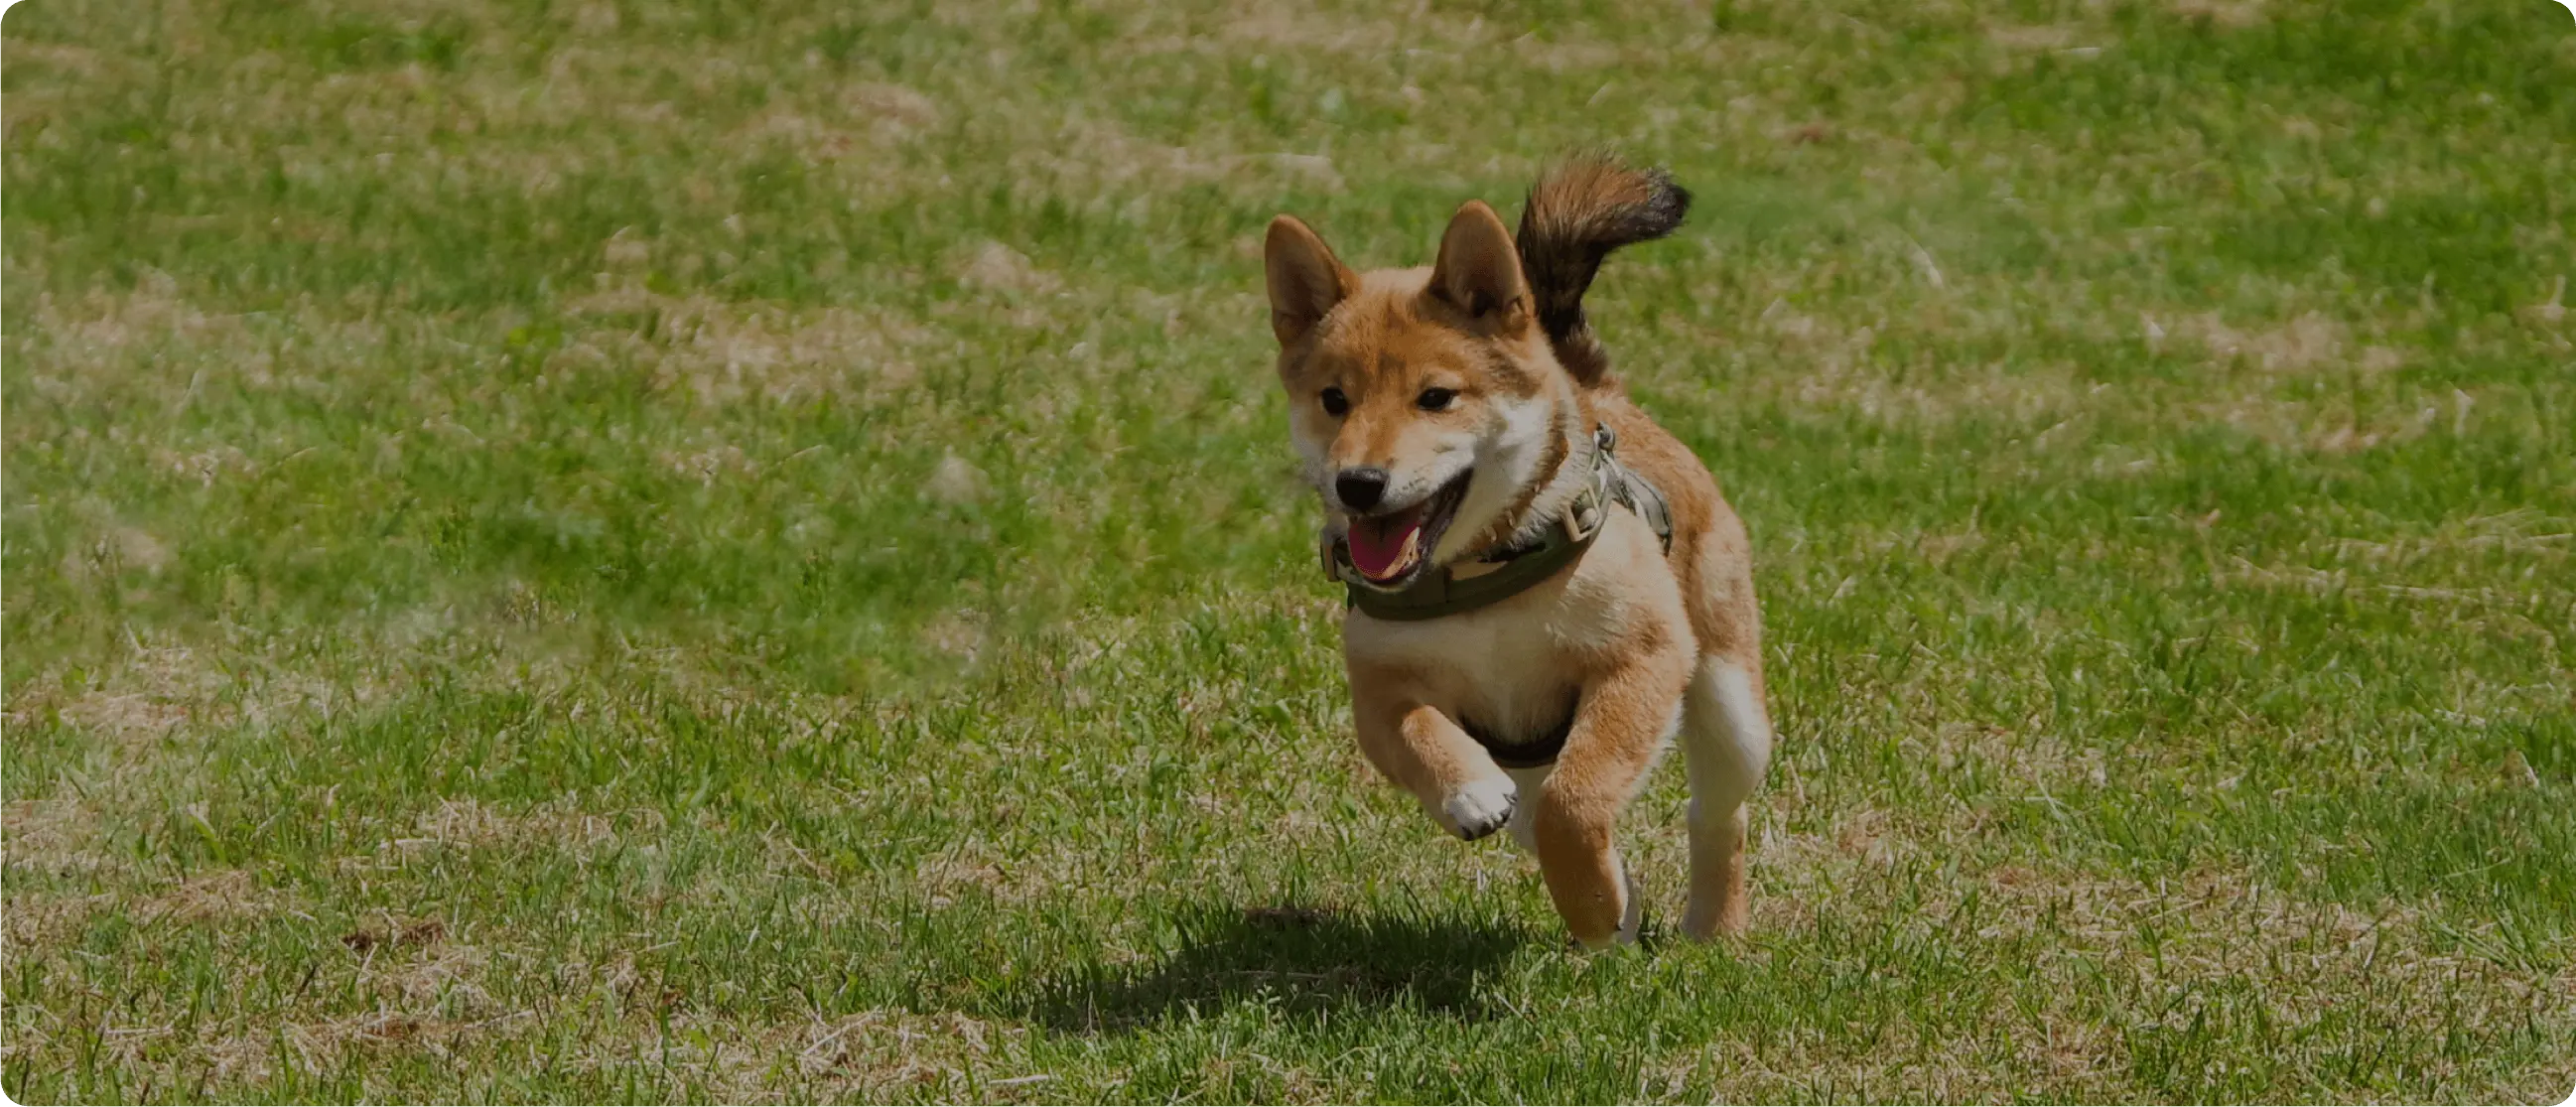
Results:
1726 746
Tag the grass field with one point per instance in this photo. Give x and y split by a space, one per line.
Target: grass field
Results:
641 550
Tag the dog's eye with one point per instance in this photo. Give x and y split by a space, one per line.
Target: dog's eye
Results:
1435 399
1335 403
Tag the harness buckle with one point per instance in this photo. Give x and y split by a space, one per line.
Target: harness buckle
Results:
1584 520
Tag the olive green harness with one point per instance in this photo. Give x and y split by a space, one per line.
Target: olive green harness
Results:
1516 569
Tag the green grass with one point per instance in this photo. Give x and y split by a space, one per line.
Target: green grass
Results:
656 550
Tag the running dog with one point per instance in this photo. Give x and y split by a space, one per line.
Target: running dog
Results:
1545 586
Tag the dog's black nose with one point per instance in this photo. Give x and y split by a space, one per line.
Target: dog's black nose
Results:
1360 489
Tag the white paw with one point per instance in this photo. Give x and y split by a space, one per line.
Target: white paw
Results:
1480 808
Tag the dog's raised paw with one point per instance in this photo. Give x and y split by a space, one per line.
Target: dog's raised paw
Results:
1481 808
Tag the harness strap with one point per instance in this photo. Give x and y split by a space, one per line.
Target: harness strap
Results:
1533 753
1641 496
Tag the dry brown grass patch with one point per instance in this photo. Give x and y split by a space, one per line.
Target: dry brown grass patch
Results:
33 829
38 926
229 894
2307 342
2224 13
2526 532
2305 427
998 268
2034 37
725 353
1089 159
1306 29
894 106
472 824
75 341
153 692
367 939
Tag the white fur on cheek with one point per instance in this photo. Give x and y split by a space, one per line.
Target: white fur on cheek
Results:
1449 456
1507 460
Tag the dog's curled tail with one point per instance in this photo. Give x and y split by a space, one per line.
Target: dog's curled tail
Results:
1579 211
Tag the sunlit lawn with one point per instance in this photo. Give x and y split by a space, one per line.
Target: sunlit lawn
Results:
706 550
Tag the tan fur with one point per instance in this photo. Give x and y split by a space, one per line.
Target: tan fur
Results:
1640 639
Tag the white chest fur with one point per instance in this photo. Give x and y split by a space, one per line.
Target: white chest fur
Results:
1513 669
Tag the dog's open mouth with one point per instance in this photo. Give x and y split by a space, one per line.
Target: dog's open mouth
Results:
1389 549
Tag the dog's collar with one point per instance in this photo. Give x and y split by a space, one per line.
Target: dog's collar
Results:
1516 567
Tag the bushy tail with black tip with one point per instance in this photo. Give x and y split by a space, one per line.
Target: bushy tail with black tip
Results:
1579 211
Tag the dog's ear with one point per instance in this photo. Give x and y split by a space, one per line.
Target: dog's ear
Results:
1306 280
1479 271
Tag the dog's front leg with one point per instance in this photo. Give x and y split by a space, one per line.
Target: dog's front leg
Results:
1618 732
1424 752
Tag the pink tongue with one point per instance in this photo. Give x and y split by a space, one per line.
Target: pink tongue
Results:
1377 545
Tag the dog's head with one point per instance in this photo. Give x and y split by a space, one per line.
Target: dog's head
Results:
1426 404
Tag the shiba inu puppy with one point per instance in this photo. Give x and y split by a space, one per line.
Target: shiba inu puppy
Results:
1546 587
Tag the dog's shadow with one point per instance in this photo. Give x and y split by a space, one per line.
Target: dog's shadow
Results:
1299 960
